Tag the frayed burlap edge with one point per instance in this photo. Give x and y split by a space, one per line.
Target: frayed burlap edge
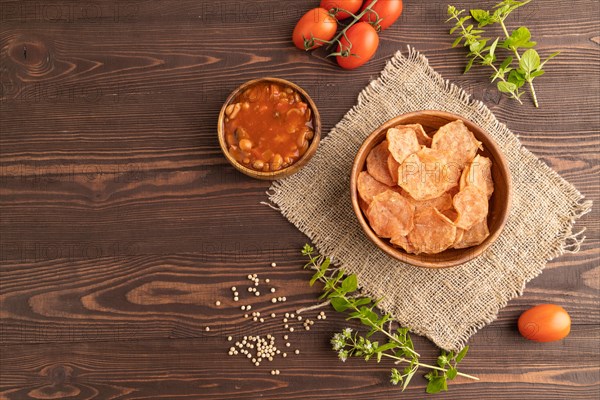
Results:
565 240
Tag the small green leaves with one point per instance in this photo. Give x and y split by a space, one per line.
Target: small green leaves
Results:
443 360
510 78
477 46
516 78
307 250
519 38
342 293
480 15
436 383
504 8
448 362
396 378
409 372
483 17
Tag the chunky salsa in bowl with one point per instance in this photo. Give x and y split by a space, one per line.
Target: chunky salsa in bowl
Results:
269 128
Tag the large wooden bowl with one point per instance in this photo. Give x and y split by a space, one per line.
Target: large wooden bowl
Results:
499 203
282 173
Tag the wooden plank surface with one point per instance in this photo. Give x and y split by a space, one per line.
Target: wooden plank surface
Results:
121 222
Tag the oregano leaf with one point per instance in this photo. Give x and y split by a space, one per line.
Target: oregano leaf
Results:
517 78
350 284
519 38
481 16
507 61
537 73
461 354
457 41
530 61
493 47
452 372
362 301
506 87
339 304
386 347
436 385
325 265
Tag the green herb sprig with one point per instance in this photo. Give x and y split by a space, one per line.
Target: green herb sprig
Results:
510 78
342 293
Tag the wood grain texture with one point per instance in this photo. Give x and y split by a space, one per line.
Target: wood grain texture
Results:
121 223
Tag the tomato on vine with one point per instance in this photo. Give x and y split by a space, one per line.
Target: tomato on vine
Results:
344 8
358 39
357 46
384 13
315 28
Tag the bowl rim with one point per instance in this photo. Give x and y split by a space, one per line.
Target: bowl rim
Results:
295 167
414 259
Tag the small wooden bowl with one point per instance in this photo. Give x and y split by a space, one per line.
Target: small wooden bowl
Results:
499 203
282 173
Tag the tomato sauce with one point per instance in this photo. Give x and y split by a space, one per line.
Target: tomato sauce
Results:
268 127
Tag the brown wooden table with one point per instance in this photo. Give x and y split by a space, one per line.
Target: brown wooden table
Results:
122 223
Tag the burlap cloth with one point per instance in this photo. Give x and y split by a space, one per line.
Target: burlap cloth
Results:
450 305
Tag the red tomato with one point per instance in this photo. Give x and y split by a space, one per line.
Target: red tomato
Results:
313 28
387 10
545 323
348 5
360 44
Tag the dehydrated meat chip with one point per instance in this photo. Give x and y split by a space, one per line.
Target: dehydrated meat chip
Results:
403 243
474 236
471 205
426 175
402 142
479 174
390 215
377 164
393 167
457 141
432 232
369 187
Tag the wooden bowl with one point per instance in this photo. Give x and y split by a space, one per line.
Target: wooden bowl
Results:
282 173
499 203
